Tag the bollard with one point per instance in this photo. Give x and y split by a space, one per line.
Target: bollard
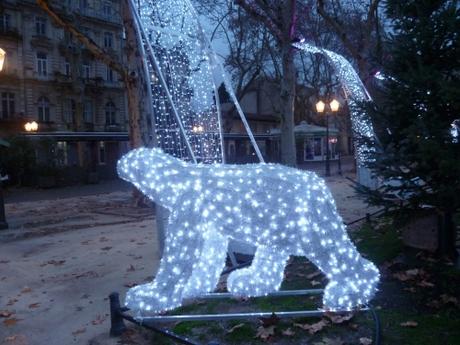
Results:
117 326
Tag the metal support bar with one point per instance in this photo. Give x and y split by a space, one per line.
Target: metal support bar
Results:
117 326
118 313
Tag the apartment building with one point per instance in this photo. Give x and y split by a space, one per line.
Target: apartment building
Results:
48 77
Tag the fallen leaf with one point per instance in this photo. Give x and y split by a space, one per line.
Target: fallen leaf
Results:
79 331
130 268
11 302
17 339
99 319
313 328
409 324
4 261
231 330
56 263
270 321
288 332
10 322
5 313
34 305
339 318
265 333
330 341
130 284
26 290
106 248
365 341
425 283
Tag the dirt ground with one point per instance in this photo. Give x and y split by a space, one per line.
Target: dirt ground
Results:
62 257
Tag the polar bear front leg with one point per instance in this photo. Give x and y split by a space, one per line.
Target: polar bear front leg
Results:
165 292
208 266
265 274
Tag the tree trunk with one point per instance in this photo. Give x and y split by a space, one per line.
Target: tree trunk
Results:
447 236
136 83
287 97
288 85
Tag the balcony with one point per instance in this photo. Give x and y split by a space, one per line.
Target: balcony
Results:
41 42
11 34
62 78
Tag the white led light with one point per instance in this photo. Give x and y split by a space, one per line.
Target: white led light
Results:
280 210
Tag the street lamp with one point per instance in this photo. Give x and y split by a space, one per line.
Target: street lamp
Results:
31 126
321 108
2 58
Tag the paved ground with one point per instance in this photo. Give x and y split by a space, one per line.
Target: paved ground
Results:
62 257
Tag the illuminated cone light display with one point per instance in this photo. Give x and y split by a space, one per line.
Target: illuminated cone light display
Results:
281 210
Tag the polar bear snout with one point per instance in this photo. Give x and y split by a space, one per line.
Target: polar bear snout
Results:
129 164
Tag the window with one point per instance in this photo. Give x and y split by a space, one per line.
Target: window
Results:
67 71
43 109
110 114
88 112
107 9
61 153
42 64
108 39
109 74
40 26
86 71
83 5
70 111
4 22
7 105
102 153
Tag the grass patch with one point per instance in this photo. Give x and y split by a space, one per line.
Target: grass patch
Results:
378 246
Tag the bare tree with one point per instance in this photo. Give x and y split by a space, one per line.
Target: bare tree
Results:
358 28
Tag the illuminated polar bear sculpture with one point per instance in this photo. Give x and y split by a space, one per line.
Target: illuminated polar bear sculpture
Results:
280 210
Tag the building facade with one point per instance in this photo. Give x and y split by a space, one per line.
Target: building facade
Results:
48 77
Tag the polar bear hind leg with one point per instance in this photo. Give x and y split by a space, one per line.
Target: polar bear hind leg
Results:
265 274
352 279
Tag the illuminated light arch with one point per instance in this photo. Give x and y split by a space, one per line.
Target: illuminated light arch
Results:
281 210
355 92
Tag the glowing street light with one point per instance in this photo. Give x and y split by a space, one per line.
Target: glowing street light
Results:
198 129
321 108
2 58
31 126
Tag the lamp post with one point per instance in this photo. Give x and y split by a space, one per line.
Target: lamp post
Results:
2 58
31 126
3 223
321 108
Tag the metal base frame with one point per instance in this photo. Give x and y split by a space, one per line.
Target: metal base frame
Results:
118 314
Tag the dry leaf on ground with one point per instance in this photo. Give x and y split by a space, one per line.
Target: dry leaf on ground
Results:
99 319
10 322
231 330
288 332
313 328
26 290
339 318
330 341
34 305
265 333
17 339
409 324
5 313
79 331
270 321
